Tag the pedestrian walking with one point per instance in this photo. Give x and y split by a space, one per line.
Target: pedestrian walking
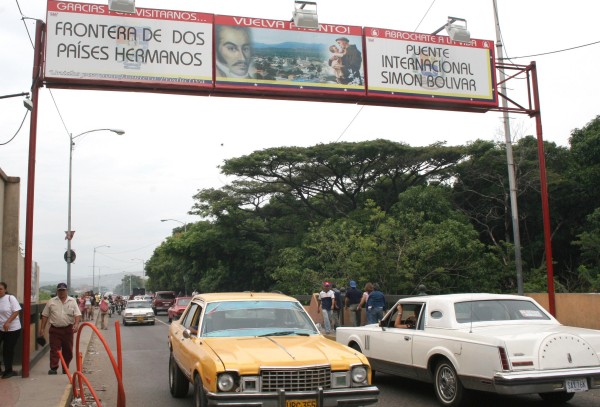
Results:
10 329
335 312
81 303
63 315
375 305
363 300
104 308
326 304
93 303
353 297
88 307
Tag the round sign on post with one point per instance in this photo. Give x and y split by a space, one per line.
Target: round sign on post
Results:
70 259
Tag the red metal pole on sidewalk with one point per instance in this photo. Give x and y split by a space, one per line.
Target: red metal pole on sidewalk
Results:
35 86
544 190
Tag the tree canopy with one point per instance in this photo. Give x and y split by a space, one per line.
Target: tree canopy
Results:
386 212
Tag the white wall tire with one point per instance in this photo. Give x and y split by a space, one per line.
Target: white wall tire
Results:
448 388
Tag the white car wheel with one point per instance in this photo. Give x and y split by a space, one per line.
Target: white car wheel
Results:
448 388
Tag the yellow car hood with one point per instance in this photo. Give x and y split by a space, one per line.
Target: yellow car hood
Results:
247 355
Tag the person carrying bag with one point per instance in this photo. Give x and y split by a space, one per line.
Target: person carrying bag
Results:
104 307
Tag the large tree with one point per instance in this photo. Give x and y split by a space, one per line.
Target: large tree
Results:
334 179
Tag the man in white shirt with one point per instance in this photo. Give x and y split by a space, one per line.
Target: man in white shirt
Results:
326 304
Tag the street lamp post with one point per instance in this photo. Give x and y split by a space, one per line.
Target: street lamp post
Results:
99 285
175 220
94 269
69 255
143 267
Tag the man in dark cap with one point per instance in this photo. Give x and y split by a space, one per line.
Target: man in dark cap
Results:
353 297
63 314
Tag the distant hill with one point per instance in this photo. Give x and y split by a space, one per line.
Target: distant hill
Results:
108 281
287 46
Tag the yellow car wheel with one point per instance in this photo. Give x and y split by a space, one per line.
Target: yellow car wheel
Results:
178 383
199 395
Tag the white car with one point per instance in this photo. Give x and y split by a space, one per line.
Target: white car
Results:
138 312
505 344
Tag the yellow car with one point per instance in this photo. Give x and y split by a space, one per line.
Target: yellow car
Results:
262 349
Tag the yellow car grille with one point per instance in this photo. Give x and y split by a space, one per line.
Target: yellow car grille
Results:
296 379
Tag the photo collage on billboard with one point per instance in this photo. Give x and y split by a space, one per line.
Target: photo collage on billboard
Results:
277 56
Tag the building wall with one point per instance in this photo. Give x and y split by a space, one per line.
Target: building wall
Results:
11 262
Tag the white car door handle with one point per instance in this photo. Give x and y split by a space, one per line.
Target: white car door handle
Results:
407 338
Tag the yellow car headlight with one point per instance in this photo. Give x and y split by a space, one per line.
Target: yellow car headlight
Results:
359 374
226 382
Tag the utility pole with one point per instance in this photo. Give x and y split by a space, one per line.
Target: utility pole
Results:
509 159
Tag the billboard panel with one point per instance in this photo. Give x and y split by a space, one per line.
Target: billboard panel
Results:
432 68
89 43
276 56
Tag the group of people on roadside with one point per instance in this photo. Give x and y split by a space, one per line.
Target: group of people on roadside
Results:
372 300
86 303
63 314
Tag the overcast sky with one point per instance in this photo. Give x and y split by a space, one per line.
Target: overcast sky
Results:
124 185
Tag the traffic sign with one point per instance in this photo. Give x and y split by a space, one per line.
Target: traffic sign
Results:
72 257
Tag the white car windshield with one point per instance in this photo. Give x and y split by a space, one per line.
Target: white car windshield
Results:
256 318
497 310
139 304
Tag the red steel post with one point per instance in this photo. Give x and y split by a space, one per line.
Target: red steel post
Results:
544 190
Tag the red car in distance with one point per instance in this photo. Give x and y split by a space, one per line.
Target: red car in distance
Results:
180 304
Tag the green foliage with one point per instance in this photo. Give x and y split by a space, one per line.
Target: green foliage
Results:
44 296
422 241
128 283
291 277
385 212
589 242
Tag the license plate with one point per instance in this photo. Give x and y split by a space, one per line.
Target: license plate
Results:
576 385
140 319
301 403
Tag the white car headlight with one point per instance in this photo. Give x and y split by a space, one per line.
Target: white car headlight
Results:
225 382
149 314
359 374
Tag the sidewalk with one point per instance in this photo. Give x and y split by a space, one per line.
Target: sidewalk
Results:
40 388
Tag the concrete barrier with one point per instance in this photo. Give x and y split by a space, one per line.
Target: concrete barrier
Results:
574 309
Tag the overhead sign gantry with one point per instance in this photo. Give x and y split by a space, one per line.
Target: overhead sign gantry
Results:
89 46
